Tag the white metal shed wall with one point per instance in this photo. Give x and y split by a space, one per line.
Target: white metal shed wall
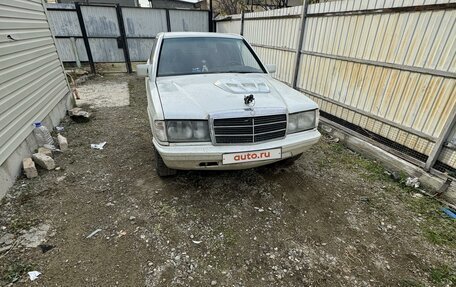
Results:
32 79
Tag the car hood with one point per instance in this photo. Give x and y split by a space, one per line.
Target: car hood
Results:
198 96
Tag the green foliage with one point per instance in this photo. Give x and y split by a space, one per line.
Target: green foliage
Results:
15 271
443 275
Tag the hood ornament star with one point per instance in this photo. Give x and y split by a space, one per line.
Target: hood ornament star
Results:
249 100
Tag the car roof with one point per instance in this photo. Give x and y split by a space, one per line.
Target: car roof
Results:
199 34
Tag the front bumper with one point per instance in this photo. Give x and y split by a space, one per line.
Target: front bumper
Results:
208 156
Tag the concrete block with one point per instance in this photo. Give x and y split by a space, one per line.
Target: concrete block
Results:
29 167
63 142
44 161
45 151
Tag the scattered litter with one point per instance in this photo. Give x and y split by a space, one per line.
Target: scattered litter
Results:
42 134
45 247
417 195
59 129
93 233
450 212
330 138
197 241
98 146
413 182
394 175
259 209
132 218
213 283
121 233
33 275
51 147
78 115
326 128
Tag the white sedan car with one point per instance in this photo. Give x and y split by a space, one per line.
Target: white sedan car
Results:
213 105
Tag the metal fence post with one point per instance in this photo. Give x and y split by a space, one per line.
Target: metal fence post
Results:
300 42
209 13
84 36
75 51
242 24
449 125
168 21
123 35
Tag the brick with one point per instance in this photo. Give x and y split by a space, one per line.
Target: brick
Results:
63 143
29 168
45 151
44 161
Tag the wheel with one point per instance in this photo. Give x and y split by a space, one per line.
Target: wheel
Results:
160 166
290 161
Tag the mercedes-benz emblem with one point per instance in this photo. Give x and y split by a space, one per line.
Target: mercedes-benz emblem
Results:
249 100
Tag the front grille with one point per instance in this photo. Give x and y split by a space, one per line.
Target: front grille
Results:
250 129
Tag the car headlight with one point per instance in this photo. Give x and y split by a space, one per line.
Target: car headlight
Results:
302 121
187 131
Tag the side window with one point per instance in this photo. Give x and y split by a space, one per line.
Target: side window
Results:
153 50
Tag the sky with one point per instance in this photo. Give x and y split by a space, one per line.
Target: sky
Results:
144 3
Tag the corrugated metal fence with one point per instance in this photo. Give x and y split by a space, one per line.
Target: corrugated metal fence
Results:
386 69
112 34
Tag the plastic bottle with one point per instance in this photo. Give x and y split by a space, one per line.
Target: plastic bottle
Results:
42 134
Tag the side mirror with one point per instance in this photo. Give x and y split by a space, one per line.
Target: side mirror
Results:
271 68
142 70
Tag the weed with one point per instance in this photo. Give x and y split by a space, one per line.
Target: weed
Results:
410 283
18 224
443 275
15 271
436 228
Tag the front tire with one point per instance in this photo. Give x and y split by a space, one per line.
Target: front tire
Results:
161 168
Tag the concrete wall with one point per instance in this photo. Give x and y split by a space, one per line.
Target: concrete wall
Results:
33 84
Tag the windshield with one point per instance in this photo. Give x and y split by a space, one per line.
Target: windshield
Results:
193 55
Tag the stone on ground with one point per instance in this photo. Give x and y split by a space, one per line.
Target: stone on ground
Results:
29 168
44 161
45 151
63 142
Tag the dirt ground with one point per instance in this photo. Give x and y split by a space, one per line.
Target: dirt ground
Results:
332 219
